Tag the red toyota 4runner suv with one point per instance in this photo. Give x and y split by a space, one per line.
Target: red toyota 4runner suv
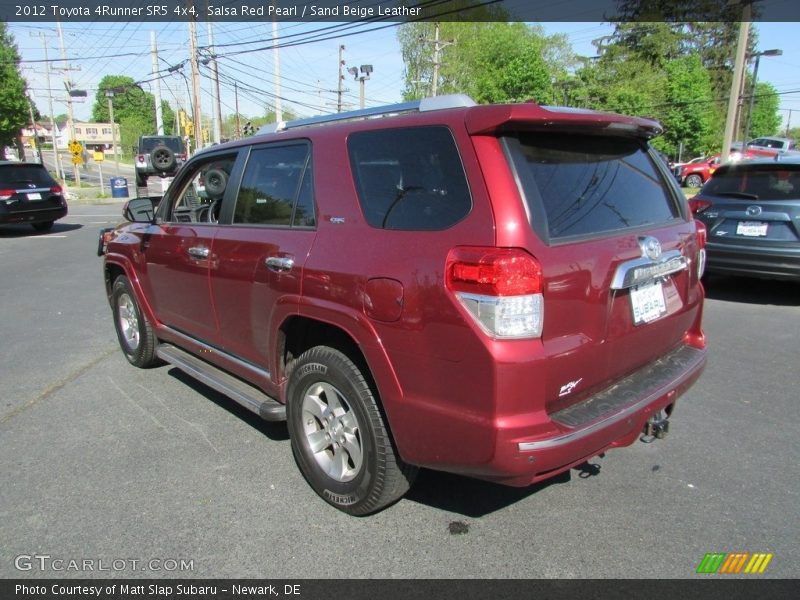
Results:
500 291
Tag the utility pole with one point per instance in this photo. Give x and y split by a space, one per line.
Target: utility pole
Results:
110 96
366 70
71 122
217 125
156 85
340 88
56 157
738 71
35 144
276 70
238 132
197 114
438 46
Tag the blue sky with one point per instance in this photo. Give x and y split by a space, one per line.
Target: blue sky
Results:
308 71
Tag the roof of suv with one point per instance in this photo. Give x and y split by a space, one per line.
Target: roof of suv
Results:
479 119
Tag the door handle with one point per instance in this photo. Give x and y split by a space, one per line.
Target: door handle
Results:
198 252
279 263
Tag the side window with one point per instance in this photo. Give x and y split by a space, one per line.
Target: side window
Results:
271 187
200 198
409 179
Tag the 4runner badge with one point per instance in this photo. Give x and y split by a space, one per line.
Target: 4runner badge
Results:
569 387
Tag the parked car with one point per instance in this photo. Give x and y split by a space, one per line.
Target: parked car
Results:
160 155
499 291
694 174
752 214
768 146
29 194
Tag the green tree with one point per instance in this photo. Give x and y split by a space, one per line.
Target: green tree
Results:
689 114
491 62
134 110
14 112
765 120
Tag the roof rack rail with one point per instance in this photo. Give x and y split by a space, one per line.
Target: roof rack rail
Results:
424 105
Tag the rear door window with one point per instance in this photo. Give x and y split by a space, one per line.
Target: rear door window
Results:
276 188
173 143
410 178
586 186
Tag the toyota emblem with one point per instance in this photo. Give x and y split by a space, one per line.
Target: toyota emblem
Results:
651 247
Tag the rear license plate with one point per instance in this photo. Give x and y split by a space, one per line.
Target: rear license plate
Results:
34 196
751 228
648 302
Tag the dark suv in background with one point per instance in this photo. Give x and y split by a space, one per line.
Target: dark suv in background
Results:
499 291
29 194
160 155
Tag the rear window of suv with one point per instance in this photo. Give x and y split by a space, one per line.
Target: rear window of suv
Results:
409 179
584 185
20 174
147 144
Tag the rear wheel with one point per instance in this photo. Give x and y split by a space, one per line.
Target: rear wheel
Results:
339 437
135 334
141 181
694 181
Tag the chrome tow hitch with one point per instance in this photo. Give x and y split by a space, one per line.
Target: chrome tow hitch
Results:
656 428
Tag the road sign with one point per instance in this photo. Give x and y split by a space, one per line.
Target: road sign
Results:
99 156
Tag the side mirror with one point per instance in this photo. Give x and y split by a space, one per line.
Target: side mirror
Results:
139 210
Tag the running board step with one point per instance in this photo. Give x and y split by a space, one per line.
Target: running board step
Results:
245 394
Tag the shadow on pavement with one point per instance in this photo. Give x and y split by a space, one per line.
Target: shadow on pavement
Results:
18 230
749 290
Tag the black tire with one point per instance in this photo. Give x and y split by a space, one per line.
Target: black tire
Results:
45 226
141 181
163 159
318 380
694 180
134 332
216 181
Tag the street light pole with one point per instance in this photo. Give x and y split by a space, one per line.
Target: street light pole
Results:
366 71
757 55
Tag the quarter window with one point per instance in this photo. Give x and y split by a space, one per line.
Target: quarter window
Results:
409 179
276 188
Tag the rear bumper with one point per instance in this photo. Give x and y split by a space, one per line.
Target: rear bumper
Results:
40 215
522 449
780 263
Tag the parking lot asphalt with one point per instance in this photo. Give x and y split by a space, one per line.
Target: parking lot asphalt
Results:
101 461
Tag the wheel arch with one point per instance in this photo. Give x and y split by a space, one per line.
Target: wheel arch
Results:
299 333
116 265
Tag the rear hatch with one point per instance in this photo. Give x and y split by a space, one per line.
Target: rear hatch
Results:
610 229
25 187
755 205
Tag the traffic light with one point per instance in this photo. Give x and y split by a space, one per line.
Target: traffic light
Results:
248 128
189 128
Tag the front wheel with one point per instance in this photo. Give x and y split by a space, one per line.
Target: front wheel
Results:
339 437
135 334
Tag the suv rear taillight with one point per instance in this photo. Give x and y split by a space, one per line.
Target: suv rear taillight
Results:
702 238
6 194
697 206
501 288
140 158
56 189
